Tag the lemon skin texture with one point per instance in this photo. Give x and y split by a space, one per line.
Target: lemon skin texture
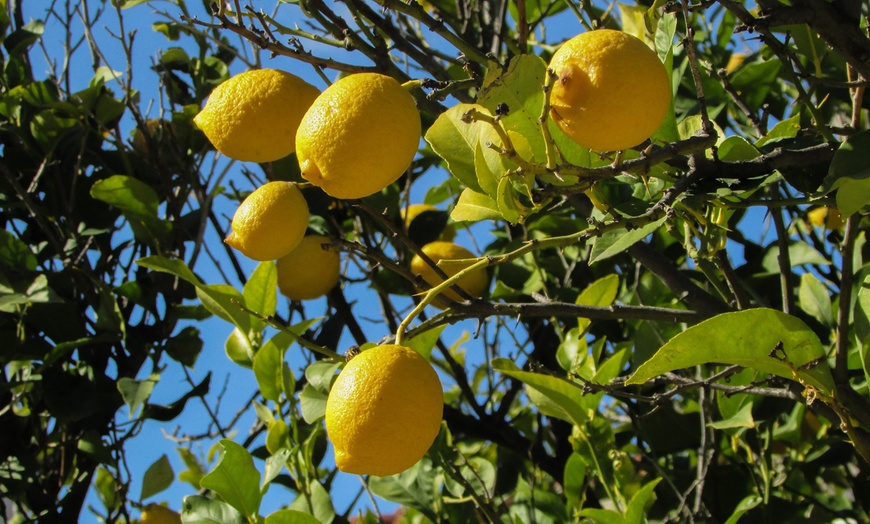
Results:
826 217
442 253
270 222
157 514
359 136
611 91
253 116
309 271
384 411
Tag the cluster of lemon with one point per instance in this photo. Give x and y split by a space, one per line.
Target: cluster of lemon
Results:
353 140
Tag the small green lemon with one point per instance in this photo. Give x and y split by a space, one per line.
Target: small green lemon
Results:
611 91
309 271
359 136
270 222
253 116
445 255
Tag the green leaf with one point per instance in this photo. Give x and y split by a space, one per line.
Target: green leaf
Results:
742 419
277 436
456 142
238 348
602 292
274 465
799 254
14 253
136 200
412 488
815 299
267 365
474 206
289 516
635 513
736 149
424 342
157 478
519 89
744 506
312 403
260 294
553 396
136 392
235 479
194 472
614 242
788 128
197 509
107 489
318 503
221 300
20 292
762 339
849 174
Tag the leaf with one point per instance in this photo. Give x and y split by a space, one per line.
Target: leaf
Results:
456 142
289 516
312 403
221 300
267 365
742 419
636 510
260 294
274 465
157 478
136 392
849 173
749 338
614 242
235 479
412 488
238 348
14 253
553 396
194 472
815 300
474 206
136 200
602 292
736 149
318 503
197 509
744 506
424 342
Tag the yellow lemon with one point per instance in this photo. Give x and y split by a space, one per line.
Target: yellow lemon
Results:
411 212
253 116
270 222
383 411
611 90
444 254
359 136
827 217
310 270
157 514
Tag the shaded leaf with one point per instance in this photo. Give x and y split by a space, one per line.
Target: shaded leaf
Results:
614 242
158 477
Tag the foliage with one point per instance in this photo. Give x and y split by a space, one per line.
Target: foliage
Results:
666 338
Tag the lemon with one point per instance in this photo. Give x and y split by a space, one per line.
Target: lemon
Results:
359 136
253 116
826 217
611 90
270 222
157 514
310 270
436 228
443 253
383 411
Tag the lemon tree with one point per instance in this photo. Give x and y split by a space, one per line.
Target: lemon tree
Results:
662 209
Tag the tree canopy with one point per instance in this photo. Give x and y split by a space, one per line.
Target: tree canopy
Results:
675 332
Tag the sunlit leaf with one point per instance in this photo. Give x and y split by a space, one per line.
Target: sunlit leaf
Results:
235 479
553 396
157 478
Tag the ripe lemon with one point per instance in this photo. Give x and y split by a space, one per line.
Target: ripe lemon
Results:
157 514
270 222
826 217
359 136
383 411
611 91
310 270
443 254
253 116
433 226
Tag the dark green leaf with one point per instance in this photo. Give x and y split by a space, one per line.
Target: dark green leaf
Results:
616 241
158 477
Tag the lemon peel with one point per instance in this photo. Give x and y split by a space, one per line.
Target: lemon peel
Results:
270 222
